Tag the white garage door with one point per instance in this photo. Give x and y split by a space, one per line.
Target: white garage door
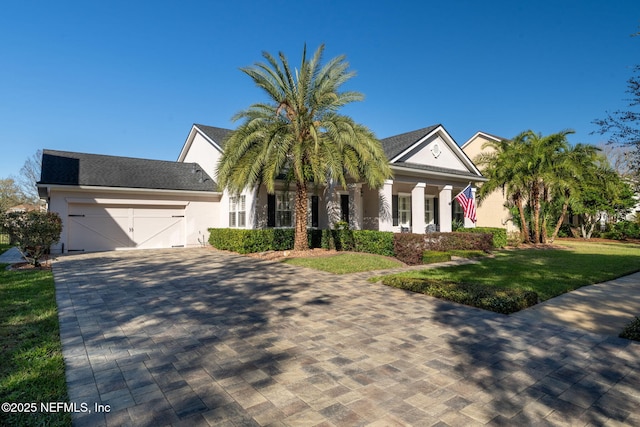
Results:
102 228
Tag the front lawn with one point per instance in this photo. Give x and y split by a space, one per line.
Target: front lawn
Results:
548 272
347 262
32 367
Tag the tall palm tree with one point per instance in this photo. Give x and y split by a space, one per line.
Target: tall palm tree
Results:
299 133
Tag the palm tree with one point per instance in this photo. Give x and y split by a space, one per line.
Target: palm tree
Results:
541 155
525 167
501 165
299 133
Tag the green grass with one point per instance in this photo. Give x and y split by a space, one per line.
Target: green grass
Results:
348 262
549 272
32 367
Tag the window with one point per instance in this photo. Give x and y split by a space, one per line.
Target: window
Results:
404 210
237 211
313 211
344 208
457 213
284 214
429 217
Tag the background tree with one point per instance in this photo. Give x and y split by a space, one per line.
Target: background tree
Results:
623 126
29 175
10 194
299 133
602 191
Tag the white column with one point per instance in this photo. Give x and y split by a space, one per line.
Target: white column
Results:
444 208
467 222
355 206
417 208
385 216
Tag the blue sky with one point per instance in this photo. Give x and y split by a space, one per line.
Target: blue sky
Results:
129 78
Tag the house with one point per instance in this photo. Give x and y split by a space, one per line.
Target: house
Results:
109 202
429 170
24 207
492 211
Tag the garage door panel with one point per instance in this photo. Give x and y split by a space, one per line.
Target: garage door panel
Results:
98 234
100 228
157 230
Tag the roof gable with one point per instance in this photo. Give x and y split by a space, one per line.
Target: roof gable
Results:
83 169
214 136
395 145
430 148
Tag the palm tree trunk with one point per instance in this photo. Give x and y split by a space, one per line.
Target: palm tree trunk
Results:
301 242
565 207
524 228
535 195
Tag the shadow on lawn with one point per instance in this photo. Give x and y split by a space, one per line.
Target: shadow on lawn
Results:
541 373
183 323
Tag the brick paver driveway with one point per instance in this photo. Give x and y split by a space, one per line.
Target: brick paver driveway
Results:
197 337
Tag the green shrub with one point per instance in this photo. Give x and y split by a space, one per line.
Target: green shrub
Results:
250 241
632 330
430 257
374 242
499 235
34 232
281 239
623 230
499 300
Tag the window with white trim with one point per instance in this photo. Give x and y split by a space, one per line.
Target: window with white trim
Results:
429 217
284 212
237 211
404 210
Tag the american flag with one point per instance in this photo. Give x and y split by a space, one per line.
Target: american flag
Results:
465 198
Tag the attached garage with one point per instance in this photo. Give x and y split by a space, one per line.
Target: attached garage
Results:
115 203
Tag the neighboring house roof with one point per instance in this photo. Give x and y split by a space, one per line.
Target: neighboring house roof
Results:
25 207
486 135
82 169
395 145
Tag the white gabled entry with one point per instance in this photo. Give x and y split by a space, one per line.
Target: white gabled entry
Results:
96 227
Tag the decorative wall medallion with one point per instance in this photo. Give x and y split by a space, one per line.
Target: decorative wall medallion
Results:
435 150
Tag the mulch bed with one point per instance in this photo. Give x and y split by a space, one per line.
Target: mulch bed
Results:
25 266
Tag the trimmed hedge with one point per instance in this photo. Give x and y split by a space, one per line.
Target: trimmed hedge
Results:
499 300
430 257
249 241
369 241
281 239
499 234
409 247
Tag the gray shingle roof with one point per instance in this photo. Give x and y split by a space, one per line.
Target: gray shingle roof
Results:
67 168
395 145
219 135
